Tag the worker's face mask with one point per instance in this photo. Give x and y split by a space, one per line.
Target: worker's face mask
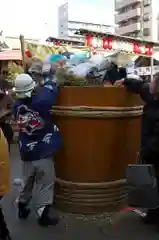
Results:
23 95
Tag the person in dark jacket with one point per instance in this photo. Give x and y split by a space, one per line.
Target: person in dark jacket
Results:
39 138
114 73
149 151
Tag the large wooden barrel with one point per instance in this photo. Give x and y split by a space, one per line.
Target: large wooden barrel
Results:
101 131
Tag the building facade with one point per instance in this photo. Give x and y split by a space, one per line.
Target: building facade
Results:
137 18
67 26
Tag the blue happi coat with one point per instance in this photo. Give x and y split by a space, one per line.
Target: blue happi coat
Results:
38 136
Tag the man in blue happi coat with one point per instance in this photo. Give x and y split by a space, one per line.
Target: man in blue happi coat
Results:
39 138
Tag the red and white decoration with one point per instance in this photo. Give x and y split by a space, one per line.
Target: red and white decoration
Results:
106 43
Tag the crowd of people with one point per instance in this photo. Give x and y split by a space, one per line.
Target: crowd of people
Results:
40 138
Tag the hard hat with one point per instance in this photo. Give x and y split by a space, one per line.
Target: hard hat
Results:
24 85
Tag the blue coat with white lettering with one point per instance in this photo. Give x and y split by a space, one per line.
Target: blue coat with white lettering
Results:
38 136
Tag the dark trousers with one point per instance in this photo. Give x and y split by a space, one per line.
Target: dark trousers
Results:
4 232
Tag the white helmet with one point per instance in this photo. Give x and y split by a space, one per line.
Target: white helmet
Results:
24 85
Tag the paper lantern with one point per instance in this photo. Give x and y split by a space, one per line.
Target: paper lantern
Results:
57 44
28 53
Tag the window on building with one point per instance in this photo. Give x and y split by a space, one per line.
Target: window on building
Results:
132 35
147 3
146 17
146 32
64 13
61 25
61 33
128 8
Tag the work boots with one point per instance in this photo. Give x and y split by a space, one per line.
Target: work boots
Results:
152 217
23 211
43 213
44 219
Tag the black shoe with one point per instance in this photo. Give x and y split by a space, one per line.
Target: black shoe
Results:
23 212
45 220
151 218
7 238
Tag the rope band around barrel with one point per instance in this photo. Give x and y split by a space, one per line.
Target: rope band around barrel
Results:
97 112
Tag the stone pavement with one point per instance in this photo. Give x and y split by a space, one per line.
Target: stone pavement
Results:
120 226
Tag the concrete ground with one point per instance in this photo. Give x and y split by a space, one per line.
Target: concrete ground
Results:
120 226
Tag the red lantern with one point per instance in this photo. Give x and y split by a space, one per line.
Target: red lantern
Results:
57 44
89 40
28 53
107 44
148 50
137 48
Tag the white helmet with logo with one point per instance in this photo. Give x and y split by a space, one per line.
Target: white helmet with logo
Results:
24 85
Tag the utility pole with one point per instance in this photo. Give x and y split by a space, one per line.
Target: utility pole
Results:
1 40
151 58
142 35
142 20
151 64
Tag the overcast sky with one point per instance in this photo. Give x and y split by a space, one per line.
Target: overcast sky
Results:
38 19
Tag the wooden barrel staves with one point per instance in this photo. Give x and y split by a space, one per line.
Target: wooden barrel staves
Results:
101 131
